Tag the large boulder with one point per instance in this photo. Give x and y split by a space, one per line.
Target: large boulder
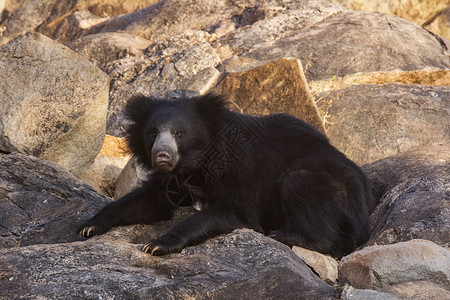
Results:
41 202
370 122
54 103
356 42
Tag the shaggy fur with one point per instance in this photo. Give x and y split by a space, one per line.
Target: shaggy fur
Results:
274 174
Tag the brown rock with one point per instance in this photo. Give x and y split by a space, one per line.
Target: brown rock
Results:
324 265
276 87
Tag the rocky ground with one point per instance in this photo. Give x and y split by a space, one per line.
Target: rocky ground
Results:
376 84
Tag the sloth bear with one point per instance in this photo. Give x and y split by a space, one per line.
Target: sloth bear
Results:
274 174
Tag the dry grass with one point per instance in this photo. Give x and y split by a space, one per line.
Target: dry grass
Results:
418 11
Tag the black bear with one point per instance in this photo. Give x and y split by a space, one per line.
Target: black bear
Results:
274 174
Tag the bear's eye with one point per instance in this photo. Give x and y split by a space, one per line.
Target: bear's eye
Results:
154 133
177 133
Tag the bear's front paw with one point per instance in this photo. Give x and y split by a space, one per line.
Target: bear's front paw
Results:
89 230
162 246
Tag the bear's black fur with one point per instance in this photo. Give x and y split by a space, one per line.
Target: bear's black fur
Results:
274 174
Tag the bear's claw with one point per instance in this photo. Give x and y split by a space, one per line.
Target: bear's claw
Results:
86 231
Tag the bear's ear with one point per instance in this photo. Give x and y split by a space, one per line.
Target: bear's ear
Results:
138 109
209 105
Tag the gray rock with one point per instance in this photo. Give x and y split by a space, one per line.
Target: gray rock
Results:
32 14
102 48
382 266
183 65
386 173
170 17
53 104
350 293
417 208
41 202
354 41
370 122
243 264
415 203
131 177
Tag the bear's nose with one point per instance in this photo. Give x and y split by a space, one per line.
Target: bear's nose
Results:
163 156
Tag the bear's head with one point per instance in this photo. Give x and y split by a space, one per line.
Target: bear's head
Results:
170 135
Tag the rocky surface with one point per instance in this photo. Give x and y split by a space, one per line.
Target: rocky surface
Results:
378 85
42 203
415 203
59 108
370 122
276 87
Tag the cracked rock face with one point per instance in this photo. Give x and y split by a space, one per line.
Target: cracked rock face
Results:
41 202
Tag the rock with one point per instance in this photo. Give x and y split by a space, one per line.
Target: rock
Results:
440 23
131 176
33 13
183 65
41 202
417 208
276 87
413 190
350 293
64 20
355 42
418 290
102 48
382 266
170 17
243 264
370 122
294 17
103 173
386 173
53 104
324 265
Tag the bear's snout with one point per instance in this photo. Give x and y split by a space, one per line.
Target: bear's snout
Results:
165 153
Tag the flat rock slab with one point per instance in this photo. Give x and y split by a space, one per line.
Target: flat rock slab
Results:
276 87
234 266
54 103
370 122
42 202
